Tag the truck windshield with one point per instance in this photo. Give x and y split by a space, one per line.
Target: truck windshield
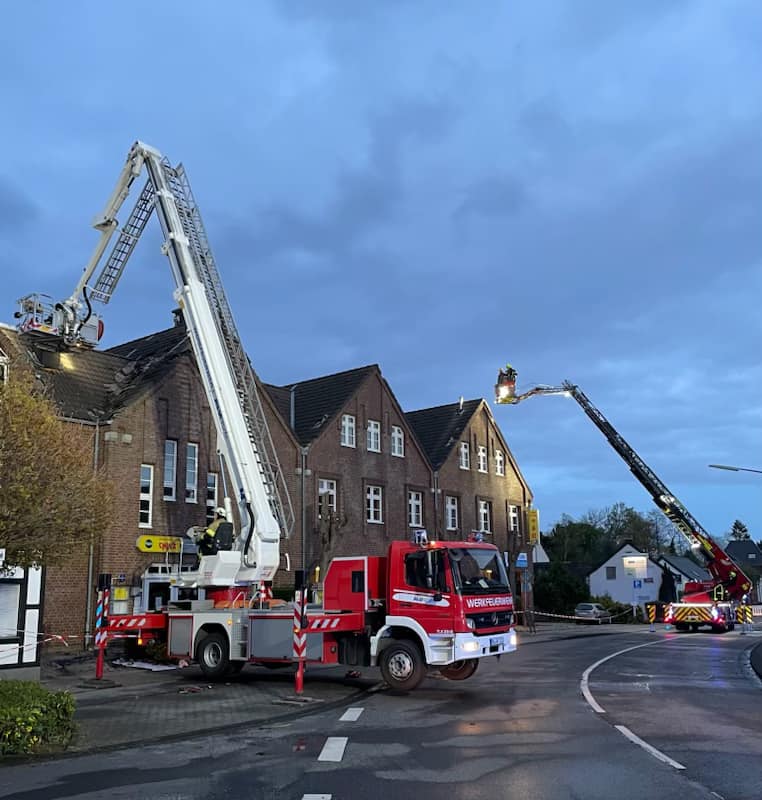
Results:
478 571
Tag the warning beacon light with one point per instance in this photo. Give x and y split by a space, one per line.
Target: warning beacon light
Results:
505 388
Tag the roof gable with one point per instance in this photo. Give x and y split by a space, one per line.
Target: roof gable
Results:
317 401
745 551
685 566
440 428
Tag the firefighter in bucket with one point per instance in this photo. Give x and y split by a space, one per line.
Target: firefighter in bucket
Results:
505 388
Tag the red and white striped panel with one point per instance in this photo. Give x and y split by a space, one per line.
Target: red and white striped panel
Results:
300 634
328 623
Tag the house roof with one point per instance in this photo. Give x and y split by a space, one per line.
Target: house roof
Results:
744 551
318 400
439 429
685 566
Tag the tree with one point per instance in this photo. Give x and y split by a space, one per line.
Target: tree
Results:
52 504
739 531
557 591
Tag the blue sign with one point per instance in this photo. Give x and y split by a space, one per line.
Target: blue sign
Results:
637 584
521 560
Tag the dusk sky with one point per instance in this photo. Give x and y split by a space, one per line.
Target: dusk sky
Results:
574 187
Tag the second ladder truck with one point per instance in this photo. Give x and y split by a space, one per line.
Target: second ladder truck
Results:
704 603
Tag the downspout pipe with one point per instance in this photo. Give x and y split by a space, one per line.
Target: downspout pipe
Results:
91 549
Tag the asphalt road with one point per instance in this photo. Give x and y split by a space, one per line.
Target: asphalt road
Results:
624 715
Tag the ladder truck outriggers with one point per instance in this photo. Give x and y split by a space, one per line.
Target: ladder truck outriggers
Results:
425 604
704 603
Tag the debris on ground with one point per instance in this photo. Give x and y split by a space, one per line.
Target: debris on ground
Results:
149 665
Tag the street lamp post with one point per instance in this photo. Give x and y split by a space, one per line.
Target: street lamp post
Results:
735 469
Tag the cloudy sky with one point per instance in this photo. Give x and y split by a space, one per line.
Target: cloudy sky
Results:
574 187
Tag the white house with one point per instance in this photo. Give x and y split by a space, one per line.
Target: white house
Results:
20 623
628 576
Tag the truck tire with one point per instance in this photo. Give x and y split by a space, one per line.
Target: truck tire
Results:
212 656
402 666
460 670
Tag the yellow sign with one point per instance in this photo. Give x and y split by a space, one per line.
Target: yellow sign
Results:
533 525
158 544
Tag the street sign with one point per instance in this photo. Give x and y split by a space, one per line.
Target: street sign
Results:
159 544
637 584
2 556
521 560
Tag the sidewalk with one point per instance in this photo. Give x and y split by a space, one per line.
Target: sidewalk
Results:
130 705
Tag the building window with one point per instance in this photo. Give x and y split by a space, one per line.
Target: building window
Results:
326 498
485 515
415 509
499 463
170 469
465 456
347 431
610 573
398 441
145 517
481 454
374 507
211 496
191 473
451 513
513 519
373 438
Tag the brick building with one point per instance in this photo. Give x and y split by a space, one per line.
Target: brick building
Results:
360 471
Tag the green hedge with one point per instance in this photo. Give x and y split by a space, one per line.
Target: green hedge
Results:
32 719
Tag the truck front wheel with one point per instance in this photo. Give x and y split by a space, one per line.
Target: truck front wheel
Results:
212 656
402 666
460 670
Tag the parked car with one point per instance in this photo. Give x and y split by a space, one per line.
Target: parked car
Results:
593 612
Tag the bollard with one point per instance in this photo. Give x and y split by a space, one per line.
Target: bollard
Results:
300 639
101 615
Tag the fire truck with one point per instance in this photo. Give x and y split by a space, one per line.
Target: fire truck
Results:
424 604
704 603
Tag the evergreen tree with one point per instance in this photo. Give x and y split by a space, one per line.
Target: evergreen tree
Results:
739 531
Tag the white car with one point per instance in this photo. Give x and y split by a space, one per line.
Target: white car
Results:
594 612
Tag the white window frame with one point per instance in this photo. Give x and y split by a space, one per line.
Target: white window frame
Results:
374 505
513 519
327 487
211 496
3 368
452 513
169 490
464 456
191 472
499 462
373 436
145 515
348 426
484 514
415 508
398 441
481 458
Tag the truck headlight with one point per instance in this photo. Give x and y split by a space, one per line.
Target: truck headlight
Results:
470 647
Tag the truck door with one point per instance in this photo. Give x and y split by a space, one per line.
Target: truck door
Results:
427 592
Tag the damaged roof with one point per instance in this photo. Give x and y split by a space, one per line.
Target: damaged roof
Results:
438 429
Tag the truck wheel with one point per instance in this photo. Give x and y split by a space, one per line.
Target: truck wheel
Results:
402 666
460 670
212 656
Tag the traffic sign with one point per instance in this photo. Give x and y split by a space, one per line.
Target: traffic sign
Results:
521 560
2 556
159 544
637 584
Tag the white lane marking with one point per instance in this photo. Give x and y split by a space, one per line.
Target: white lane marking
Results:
316 797
351 715
647 747
333 749
586 674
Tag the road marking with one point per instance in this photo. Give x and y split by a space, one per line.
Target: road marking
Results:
586 674
351 715
333 749
647 747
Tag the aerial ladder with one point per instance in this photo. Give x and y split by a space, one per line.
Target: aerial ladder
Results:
245 445
728 585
